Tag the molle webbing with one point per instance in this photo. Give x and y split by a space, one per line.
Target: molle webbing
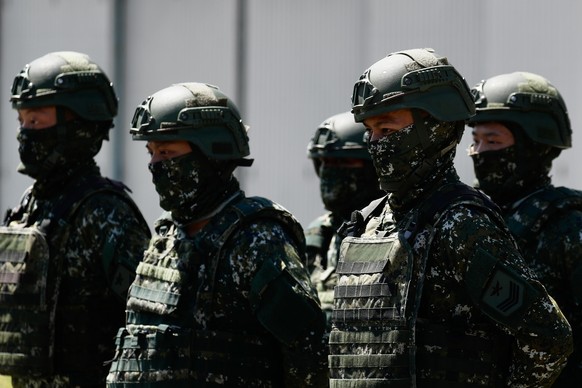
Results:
372 311
156 359
391 358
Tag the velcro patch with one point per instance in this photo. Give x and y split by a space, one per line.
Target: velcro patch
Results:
504 293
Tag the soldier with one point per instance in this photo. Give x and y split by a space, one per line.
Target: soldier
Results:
347 182
221 296
69 251
432 291
520 127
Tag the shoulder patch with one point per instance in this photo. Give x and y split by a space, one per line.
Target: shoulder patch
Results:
504 293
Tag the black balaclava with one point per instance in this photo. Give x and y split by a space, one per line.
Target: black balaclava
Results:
191 186
409 162
513 172
51 155
345 189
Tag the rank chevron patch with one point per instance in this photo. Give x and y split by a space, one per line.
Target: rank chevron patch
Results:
504 293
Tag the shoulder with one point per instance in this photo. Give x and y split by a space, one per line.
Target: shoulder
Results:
109 204
459 206
319 230
324 220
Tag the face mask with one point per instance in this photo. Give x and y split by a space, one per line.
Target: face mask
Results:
404 163
395 157
42 151
344 190
508 174
495 172
187 187
37 149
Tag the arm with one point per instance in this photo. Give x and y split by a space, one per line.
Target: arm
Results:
286 304
490 265
558 255
116 236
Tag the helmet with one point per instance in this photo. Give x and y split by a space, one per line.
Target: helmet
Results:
198 113
67 79
408 79
528 100
338 137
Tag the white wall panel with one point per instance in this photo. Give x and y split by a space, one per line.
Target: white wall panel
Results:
303 57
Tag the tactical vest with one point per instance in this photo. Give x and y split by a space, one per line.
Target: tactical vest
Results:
530 215
373 342
323 242
31 268
182 354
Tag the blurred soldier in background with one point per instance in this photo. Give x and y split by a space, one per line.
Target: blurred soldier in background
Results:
222 297
347 182
520 127
68 252
432 290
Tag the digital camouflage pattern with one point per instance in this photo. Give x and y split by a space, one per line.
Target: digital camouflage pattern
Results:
547 225
106 241
347 182
322 249
480 304
236 296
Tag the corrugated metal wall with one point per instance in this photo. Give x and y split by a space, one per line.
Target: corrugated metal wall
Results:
300 61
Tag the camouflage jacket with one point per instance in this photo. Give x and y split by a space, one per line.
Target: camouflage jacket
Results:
107 238
547 225
239 307
460 298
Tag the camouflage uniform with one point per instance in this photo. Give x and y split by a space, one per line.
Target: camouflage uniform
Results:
107 238
461 336
233 332
93 236
547 225
222 296
546 221
432 290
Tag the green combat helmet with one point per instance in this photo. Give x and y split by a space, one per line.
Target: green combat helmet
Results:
528 100
338 137
408 79
198 113
420 81
68 79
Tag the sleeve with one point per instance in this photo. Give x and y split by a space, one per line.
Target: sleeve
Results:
286 304
559 249
560 244
505 290
114 239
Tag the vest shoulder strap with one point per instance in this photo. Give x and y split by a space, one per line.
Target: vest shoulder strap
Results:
448 196
245 211
452 195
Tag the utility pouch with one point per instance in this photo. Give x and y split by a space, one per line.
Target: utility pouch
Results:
159 358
